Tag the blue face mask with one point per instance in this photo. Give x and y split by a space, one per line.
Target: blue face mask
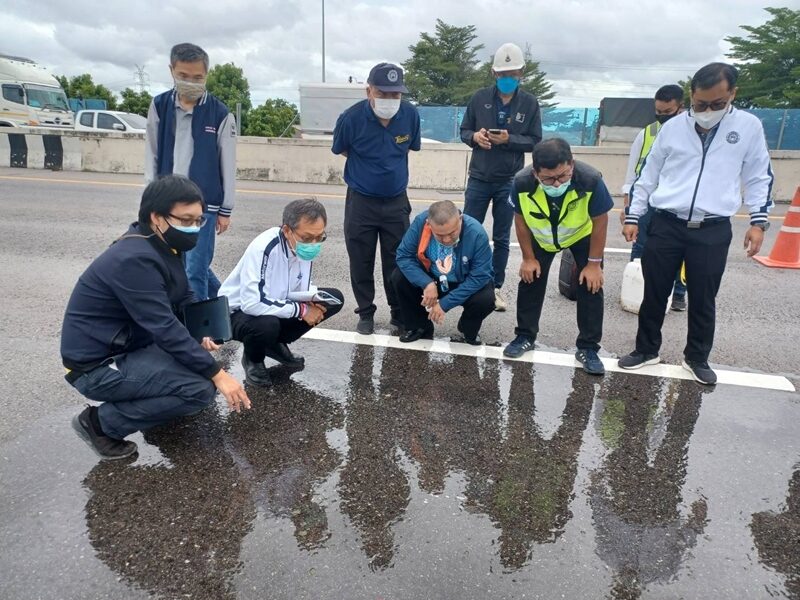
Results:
554 191
184 229
306 251
507 85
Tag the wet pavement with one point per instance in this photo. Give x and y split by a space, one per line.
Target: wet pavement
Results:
376 473
381 473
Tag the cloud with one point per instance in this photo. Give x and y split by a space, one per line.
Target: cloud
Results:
588 49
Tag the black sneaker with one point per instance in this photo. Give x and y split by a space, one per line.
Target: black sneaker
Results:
105 447
476 341
701 372
255 373
637 360
281 353
366 325
590 361
678 303
519 346
396 326
412 335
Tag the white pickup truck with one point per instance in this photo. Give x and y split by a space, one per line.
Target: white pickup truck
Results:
109 120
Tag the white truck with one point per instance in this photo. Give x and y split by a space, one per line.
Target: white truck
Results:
30 96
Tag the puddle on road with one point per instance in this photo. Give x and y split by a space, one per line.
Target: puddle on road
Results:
381 473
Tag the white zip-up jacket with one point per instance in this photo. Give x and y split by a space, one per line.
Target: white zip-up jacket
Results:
261 281
681 177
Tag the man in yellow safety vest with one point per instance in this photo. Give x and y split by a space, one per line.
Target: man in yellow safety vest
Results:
668 103
560 203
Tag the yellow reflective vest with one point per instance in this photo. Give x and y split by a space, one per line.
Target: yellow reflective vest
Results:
574 222
650 133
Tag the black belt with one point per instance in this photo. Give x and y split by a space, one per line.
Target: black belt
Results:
692 224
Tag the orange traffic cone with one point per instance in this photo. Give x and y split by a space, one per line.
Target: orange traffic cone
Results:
786 252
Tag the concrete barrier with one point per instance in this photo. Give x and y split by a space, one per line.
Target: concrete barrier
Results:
437 166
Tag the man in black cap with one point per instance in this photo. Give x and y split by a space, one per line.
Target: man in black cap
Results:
376 135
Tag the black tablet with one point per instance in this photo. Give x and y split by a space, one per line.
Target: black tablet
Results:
209 318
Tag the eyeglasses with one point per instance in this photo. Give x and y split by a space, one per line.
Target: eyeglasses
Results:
704 106
310 240
561 178
190 221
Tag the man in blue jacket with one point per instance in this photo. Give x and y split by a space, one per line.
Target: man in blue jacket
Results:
122 342
444 261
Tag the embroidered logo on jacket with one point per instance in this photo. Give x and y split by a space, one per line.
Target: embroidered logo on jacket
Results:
520 118
211 129
733 137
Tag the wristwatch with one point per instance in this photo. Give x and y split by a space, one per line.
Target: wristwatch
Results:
762 226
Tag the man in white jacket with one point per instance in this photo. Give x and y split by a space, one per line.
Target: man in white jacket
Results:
268 290
701 165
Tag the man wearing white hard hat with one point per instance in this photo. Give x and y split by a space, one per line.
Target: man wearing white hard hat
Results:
501 124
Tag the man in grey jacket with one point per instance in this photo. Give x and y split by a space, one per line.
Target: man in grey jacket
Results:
501 124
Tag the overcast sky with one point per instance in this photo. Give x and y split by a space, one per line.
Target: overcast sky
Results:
587 49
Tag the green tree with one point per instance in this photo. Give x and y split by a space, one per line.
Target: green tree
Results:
271 119
228 83
686 84
534 80
769 61
82 86
443 67
135 102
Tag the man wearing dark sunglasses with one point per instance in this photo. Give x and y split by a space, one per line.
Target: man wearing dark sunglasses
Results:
700 167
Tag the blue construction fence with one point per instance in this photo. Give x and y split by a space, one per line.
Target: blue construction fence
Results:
579 126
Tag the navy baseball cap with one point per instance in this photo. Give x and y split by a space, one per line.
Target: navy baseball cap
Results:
387 78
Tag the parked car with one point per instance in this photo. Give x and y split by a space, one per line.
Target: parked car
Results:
109 120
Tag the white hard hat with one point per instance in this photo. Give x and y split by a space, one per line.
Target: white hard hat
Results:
508 58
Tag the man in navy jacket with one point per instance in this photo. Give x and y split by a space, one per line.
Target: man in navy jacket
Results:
122 343
444 261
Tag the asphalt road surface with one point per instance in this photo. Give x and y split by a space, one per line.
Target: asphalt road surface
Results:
385 473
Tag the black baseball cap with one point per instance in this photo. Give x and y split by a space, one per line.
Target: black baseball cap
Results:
387 78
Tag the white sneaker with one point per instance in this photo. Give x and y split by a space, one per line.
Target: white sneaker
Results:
500 304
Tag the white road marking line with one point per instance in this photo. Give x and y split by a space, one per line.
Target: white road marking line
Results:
607 250
724 376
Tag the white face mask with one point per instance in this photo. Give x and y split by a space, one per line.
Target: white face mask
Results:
386 108
709 119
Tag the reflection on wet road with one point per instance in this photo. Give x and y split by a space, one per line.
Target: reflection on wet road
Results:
382 473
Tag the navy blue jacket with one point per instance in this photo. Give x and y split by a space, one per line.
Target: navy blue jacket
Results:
472 258
127 299
205 169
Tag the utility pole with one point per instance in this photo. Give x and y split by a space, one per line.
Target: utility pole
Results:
323 41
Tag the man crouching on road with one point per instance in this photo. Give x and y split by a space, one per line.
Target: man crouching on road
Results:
444 261
122 342
267 290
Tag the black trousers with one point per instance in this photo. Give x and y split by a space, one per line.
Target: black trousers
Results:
705 252
259 333
414 316
367 221
530 299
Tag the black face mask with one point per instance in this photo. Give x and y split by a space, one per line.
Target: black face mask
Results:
664 118
179 240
